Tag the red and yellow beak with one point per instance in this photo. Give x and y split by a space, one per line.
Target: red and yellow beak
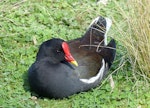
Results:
68 55
70 59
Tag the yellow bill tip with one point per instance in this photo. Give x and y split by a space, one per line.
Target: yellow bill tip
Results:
74 63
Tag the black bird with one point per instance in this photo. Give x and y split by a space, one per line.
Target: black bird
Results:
52 75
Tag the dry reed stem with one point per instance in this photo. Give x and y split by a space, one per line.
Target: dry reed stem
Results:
136 34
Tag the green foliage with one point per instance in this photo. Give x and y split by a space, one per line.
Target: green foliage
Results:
135 32
25 24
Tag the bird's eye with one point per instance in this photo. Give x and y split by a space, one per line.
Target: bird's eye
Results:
58 51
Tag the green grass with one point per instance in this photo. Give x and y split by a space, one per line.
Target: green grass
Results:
21 22
136 32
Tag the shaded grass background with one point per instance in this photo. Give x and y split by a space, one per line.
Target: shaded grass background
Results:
23 21
135 31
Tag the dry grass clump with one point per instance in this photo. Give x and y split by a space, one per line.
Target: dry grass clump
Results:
135 34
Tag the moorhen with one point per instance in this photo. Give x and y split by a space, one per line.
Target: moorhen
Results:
52 75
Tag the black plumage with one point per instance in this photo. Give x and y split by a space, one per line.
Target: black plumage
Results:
52 75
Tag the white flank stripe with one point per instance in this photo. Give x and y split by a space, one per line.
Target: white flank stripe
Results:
94 21
108 25
98 76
